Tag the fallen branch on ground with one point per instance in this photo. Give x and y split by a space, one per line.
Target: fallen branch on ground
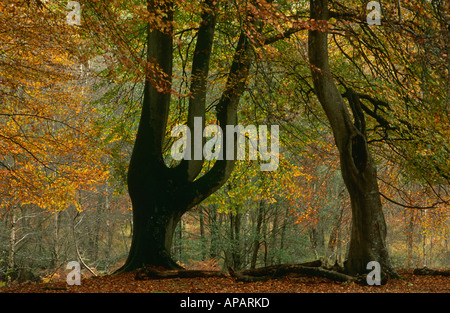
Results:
427 271
278 271
252 275
152 272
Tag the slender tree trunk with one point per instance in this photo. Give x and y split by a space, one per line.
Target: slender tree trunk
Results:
177 248
283 233
215 233
110 225
368 234
332 246
235 239
424 241
202 232
273 236
313 239
265 240
409 217
124 239
12 245
93 239
446 254
77 250
56 239
256 242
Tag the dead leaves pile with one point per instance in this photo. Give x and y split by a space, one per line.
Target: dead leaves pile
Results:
126 283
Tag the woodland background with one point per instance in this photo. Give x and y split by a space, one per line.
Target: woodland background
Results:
67 128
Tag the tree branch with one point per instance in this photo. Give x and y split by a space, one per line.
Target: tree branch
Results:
287 34
433 206
198 90
226 112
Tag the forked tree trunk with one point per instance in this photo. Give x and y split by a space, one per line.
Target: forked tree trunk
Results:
161 195
368 235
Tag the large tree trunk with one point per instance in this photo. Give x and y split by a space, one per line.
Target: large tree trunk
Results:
161 195
153 229
368 233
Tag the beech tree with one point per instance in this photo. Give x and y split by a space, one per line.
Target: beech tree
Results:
368 237
160 194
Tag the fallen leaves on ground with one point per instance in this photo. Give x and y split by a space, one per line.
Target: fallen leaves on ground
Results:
126 283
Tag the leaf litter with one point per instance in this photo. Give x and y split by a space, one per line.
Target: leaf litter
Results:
126 283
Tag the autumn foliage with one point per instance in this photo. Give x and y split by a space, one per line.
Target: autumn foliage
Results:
70 103
48 146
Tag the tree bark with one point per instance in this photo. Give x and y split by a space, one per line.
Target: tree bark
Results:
368 233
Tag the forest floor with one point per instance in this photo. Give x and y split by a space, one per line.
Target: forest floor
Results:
126 283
